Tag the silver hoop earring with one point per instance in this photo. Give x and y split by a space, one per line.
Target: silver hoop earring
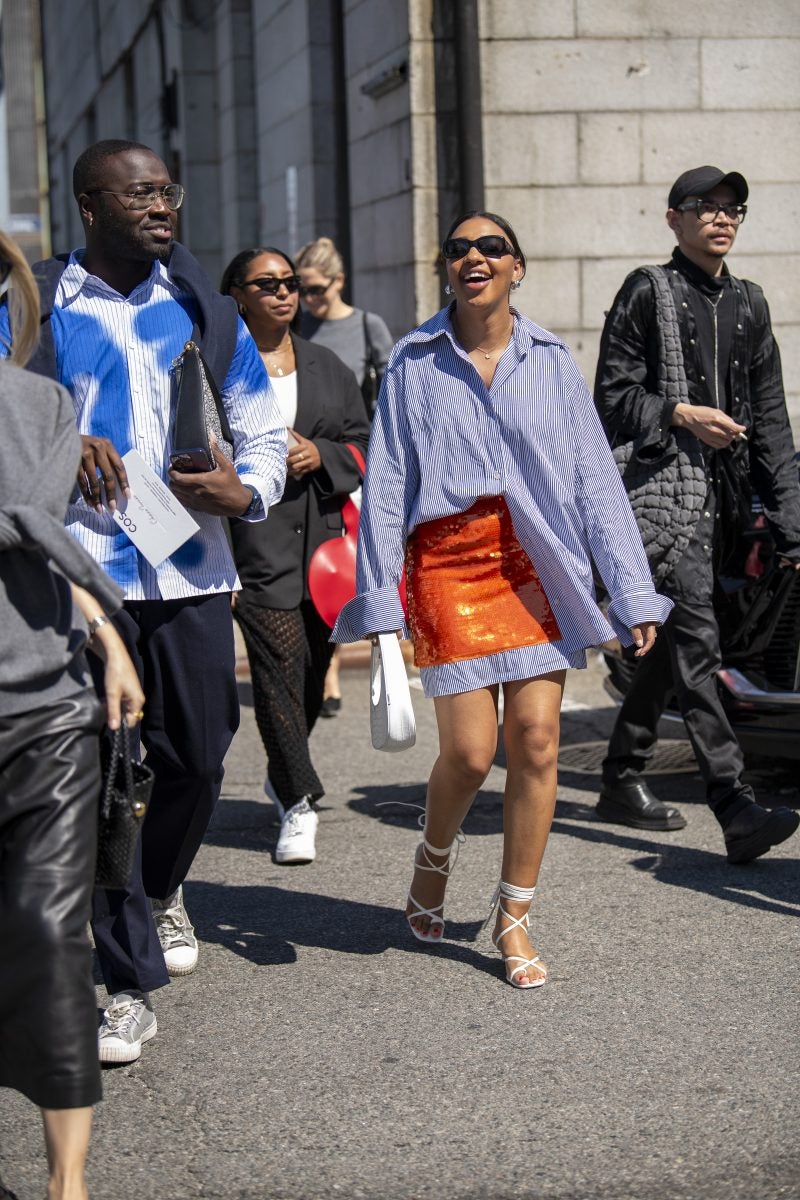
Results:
242 310
448 291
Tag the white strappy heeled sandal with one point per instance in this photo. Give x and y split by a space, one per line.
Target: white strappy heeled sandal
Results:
446 869
508 891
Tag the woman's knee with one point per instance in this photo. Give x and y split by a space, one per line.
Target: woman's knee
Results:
532 744
470 764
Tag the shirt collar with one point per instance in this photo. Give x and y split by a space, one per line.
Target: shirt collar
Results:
75 279
699 277
526 332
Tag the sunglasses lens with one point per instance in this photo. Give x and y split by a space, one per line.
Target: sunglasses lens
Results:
455 248
492 247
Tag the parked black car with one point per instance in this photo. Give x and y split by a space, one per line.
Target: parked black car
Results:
758 609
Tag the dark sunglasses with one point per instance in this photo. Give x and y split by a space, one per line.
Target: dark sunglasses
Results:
314 289
271 286
490 246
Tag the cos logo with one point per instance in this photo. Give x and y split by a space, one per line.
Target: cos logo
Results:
126 522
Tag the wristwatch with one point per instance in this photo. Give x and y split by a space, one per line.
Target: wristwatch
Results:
256 505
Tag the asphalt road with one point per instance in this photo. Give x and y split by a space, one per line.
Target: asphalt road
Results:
319 1051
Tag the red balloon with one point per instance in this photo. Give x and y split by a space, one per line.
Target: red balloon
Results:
332 570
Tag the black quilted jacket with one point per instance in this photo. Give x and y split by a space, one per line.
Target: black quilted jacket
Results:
631 409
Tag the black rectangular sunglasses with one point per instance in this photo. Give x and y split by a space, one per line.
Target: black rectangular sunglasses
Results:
271 286
491 245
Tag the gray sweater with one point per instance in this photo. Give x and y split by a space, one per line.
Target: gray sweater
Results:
345 337
41 638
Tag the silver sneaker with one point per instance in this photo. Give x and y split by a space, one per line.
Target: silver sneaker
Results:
127 1022
176 933
298 831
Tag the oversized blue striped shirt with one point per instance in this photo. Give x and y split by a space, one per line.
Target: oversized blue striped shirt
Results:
441 440
114 355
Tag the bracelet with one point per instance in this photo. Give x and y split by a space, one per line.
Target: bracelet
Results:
97 623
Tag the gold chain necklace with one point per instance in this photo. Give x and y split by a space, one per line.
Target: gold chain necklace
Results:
487 354
280 349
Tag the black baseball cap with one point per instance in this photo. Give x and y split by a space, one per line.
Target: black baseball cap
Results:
700 180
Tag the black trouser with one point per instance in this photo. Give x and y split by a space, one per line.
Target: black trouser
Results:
49 793
289 653
686 658
184 653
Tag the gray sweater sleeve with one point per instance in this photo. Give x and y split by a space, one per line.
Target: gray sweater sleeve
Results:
41 637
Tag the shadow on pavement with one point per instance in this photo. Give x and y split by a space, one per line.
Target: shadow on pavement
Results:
403 804
263 924
769 885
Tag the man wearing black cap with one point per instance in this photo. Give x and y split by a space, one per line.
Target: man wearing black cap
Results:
689 388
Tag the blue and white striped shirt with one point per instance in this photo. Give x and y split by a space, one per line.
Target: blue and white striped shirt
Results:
114 355
440 440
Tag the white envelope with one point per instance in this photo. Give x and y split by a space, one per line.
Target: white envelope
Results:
154 520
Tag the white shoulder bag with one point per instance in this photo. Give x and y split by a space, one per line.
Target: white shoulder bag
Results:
391 715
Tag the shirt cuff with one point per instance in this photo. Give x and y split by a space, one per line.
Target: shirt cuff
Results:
379 611
632 608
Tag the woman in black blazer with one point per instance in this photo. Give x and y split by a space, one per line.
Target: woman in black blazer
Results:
287 641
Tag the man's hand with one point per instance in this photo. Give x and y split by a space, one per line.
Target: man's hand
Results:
644 637
710 425
99 454
303 457
218 492
789 562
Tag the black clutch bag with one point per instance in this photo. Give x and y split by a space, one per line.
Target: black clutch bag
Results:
198 414
123 804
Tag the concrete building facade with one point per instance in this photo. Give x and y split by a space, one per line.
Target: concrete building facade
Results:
287 119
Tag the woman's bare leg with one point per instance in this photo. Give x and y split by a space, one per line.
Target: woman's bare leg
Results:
332 689
467 726
66 1134
531 724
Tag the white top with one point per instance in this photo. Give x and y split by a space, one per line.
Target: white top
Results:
285 389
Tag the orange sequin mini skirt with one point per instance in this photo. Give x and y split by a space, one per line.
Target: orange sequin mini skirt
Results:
472 590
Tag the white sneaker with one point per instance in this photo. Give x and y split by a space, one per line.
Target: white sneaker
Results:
269 792
298 831
176 933
127 1022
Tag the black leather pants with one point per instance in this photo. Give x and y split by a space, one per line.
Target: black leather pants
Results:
49 791
686 657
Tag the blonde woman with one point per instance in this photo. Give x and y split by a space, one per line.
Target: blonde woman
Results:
360 339
54 601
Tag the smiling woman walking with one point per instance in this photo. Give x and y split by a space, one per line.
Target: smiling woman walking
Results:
491 484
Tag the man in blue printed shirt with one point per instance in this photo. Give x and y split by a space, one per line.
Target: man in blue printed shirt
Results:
115 316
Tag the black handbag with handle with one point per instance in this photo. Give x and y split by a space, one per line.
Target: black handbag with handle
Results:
127 785
199 413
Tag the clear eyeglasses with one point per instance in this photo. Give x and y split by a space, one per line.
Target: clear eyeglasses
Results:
142 198
708 211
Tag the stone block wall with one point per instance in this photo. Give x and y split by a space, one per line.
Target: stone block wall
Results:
591 110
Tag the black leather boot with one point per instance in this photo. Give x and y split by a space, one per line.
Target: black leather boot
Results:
754 830
630 802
